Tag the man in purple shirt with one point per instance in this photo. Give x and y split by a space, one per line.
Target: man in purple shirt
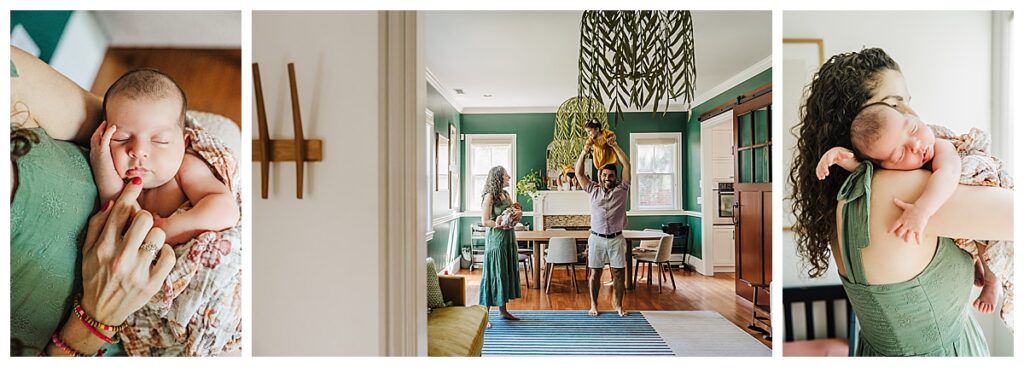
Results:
606 244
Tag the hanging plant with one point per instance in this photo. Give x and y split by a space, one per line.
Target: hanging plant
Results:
569 135
636 58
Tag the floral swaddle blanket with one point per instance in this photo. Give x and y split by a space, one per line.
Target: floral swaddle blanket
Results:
198 309
979 168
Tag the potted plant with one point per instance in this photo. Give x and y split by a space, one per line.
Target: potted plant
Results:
529 184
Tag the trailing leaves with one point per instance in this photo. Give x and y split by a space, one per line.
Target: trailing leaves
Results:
569 135
636 59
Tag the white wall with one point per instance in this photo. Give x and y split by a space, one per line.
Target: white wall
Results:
946 58
315 261
80 51
944 55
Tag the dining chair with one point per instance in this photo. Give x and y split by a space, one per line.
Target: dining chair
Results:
646 247
561 251
659 257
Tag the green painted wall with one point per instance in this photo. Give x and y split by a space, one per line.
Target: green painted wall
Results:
45 28
535 130
446 235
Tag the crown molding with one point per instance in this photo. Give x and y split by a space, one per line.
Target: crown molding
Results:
441 88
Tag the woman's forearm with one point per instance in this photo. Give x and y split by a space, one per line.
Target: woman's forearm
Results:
56 104
77 336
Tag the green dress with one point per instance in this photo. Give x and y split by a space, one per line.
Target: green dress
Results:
56 196
928 315
500 281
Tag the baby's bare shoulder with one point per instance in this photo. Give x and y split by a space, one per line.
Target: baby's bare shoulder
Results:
195 170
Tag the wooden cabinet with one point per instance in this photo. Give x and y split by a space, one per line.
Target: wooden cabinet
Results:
753 213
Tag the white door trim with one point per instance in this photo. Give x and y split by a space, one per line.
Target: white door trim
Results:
707 207
402 90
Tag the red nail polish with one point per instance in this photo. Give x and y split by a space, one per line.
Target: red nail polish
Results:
136 180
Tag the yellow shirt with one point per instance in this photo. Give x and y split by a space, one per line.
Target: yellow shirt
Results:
603 153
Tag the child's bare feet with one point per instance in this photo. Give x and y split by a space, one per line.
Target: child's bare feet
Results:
593 311
986 301
508 316
979 273
622 313
488 324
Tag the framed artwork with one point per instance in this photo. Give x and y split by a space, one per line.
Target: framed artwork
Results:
442 164
801 58
453 170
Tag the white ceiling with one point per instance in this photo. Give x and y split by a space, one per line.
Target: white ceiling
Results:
197 29
528 59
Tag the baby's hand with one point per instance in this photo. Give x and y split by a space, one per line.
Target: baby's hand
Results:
831 157
99 147
911 224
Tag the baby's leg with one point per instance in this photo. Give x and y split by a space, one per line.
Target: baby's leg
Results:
986 301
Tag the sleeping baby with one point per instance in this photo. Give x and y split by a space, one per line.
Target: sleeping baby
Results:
899 140
147 138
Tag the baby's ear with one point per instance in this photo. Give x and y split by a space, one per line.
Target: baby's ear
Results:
188 137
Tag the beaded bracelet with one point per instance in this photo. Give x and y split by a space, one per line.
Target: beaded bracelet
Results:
92 322
100 335
69 351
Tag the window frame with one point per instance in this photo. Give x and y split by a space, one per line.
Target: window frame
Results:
479 139
677 177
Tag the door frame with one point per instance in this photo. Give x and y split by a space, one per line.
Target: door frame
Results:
708 211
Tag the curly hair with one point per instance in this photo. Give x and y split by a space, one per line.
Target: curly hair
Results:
22 138
494 184
836 95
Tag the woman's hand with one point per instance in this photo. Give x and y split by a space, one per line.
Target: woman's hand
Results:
121 272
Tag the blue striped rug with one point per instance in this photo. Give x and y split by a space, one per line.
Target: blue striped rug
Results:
572 333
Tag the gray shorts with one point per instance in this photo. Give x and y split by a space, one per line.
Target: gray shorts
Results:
611 251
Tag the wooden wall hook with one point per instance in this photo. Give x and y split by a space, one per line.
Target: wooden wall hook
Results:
298 149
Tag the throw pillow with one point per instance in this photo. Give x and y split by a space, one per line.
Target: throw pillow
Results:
434 297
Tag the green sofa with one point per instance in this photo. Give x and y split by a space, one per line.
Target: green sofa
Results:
457 330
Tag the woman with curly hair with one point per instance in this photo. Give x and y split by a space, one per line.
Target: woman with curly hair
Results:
500 281
909 299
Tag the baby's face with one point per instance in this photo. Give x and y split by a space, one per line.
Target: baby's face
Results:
906 143
149 142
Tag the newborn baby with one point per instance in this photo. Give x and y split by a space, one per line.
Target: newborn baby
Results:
901 141
190 186
143 139
510 216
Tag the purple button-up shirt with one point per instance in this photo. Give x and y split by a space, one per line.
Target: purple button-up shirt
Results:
607 207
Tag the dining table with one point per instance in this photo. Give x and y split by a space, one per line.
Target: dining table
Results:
539 238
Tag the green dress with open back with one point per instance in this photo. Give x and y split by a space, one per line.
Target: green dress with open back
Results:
500 280
55 197
928 315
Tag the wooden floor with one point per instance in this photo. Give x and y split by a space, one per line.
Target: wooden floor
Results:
694 292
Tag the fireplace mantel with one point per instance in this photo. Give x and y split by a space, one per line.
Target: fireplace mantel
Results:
559 203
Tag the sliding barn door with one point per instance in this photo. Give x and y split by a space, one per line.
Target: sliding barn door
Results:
752 124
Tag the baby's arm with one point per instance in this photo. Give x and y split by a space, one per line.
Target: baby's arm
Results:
943 182
213 205
108 183
837 155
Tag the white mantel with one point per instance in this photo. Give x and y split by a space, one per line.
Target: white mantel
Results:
575 202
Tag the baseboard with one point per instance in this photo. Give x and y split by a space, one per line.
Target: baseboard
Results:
725 269
452 267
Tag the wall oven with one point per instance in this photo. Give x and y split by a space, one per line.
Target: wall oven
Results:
726 200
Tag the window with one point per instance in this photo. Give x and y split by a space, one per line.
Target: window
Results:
656 159
484 151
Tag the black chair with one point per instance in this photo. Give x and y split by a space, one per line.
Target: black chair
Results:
829 295
681 237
